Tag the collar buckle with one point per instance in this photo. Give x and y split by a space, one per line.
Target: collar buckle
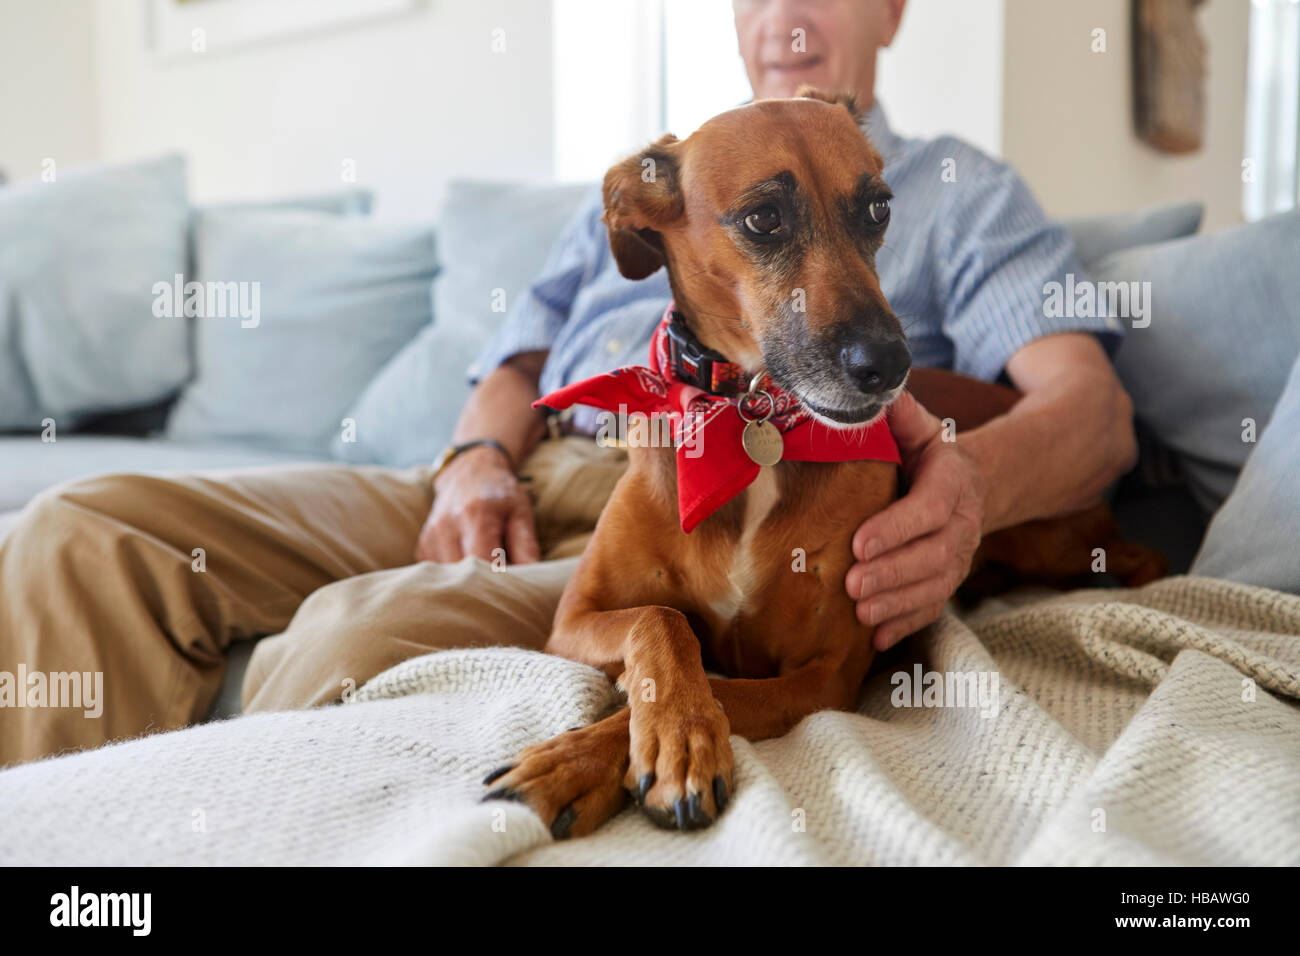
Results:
698 365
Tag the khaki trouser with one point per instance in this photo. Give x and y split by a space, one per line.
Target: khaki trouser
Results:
148 579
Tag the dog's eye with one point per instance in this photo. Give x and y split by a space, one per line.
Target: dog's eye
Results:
878 212
764 221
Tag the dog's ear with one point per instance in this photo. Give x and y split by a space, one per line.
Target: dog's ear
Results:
643 194
844 98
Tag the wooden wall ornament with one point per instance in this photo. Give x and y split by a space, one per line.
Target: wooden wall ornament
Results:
1169 68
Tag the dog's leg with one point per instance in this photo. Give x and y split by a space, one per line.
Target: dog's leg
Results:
578 780
1064 550
754 709
770 707
680 752
675 754
679 733
573 782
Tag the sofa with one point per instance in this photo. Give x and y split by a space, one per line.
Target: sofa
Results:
350 337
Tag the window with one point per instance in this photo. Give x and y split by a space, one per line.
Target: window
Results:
1271 168
703 72
626 71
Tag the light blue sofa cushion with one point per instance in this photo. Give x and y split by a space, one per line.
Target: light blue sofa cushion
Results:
344 202
337 297
1096 237
29 465
490 236
1224 332
79 257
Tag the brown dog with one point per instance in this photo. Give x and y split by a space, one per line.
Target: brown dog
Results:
654 607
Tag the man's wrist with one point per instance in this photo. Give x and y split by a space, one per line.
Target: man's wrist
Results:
478 447
983 457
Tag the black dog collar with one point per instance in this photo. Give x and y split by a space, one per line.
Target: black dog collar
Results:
698 365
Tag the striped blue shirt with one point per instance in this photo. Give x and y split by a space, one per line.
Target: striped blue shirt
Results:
964 264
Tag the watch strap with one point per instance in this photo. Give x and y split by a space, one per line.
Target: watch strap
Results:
452 452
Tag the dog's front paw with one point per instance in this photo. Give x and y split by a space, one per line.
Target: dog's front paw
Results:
680 766
573 782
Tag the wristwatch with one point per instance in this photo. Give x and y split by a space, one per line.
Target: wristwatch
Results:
452 452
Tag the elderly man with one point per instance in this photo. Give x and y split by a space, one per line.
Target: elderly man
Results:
99 575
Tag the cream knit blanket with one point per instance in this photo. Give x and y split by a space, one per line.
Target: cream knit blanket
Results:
1150 726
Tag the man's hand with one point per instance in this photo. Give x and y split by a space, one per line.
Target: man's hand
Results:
913 555
478 506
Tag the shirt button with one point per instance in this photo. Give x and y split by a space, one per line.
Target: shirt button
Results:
613 346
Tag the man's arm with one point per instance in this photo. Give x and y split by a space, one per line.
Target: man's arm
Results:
993 253
501 407
1062 444
479 505
1053 453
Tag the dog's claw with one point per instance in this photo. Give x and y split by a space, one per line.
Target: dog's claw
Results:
682 809
698 817
643 787
504 793
720 796
497 773
564 822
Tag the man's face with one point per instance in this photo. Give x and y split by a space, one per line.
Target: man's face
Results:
828 43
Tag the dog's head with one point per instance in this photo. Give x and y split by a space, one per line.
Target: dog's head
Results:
769 218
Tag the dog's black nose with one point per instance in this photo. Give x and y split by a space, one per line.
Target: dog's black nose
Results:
876 367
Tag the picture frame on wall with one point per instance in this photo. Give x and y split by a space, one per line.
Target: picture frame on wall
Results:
184 27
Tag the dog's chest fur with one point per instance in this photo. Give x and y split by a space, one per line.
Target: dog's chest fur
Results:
765 567
762 577
744 575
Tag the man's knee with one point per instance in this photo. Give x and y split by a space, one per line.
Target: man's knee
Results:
66 531
358 610
64 512
339 637
347 632
81 497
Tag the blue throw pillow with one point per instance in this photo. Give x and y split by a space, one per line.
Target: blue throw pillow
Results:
1096 237
79 258
308 307
491 236
1222 338
344 202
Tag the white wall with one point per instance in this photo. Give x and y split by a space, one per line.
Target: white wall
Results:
1068 123
420 99
943 72
413 101
47 99
604 108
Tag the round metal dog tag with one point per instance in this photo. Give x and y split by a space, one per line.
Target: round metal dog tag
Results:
763 442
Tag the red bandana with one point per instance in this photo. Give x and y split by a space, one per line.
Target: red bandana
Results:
713 465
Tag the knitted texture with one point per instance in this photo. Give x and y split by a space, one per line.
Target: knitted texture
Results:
1149 726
